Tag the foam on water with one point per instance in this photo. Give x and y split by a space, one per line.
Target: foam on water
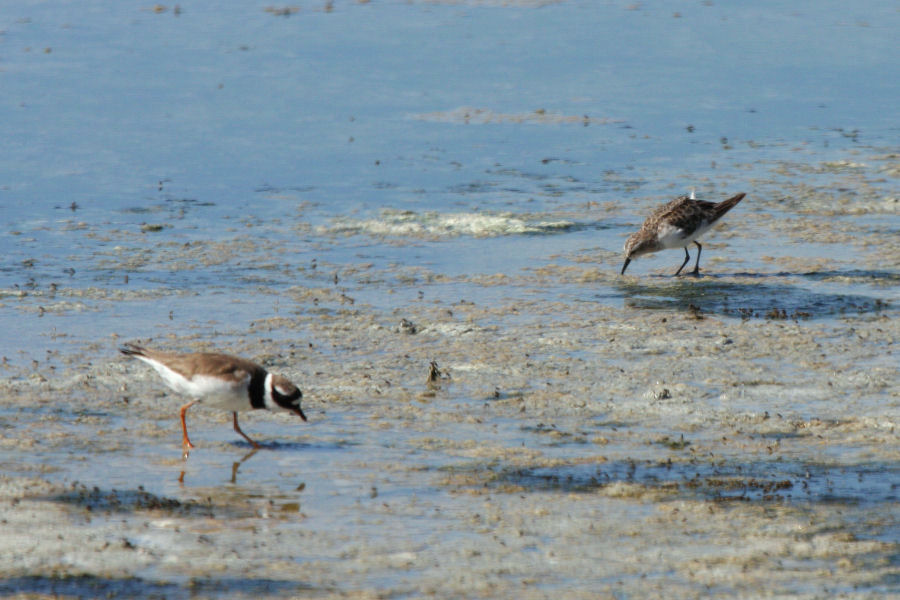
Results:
432 224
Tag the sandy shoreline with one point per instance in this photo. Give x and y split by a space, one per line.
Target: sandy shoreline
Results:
570 448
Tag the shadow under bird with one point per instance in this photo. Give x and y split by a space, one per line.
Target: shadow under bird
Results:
676 225
221 381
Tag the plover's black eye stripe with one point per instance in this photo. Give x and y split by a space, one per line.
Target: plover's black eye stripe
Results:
288 401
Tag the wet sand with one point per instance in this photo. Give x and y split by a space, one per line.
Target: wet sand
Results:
583 435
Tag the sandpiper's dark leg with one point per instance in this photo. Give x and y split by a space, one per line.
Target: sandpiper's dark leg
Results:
687 257
238 429
697 265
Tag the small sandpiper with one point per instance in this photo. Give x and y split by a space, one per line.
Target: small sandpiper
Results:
676 225
221 381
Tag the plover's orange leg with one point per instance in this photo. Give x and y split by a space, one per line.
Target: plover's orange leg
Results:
687 257
238 429
185 442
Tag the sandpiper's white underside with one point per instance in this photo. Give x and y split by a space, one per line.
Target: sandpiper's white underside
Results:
670 236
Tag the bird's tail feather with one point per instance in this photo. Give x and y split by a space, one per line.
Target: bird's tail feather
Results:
133 350
726 205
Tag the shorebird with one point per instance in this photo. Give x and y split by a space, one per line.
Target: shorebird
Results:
676 225
221 381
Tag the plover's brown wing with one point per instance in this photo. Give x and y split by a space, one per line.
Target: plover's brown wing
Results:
232 368
142 351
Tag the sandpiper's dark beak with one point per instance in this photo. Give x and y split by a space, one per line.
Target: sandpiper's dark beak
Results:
625 266
299 412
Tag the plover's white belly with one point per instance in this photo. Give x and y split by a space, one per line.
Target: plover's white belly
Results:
221 394
230 402
670 236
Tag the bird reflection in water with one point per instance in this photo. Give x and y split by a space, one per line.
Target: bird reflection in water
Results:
234 467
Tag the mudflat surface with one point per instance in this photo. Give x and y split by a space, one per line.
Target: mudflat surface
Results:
493 410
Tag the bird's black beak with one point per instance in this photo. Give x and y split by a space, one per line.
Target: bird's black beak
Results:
299 412
625 266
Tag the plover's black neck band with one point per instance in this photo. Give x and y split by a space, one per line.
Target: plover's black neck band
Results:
257 389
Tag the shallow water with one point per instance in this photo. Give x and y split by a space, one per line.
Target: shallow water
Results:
291 188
